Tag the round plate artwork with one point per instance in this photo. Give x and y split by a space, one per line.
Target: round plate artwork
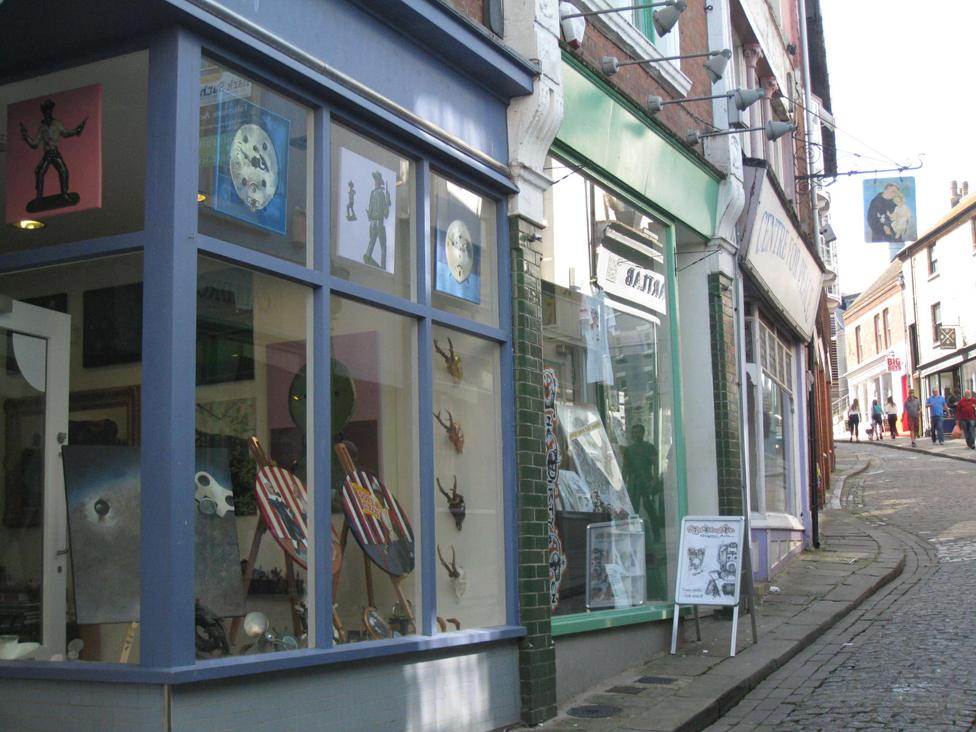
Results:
459 250
254 166
281 500
378 522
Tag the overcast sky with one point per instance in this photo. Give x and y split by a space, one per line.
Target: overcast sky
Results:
901 82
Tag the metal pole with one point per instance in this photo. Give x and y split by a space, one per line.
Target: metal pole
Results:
644 6
668 58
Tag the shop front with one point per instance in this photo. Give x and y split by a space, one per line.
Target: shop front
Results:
782 287
256 327
619 203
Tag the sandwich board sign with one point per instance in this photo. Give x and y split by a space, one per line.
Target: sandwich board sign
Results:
710 552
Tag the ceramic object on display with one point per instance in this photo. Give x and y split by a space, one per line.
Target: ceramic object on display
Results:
12 650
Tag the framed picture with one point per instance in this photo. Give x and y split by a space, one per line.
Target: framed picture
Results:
457 242
48 134
103 417
225 326
366 231
112 326
251 163
616 575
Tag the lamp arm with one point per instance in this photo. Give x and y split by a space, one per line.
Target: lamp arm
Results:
644 6
669 58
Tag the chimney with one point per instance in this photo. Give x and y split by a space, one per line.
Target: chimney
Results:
965 188
955 197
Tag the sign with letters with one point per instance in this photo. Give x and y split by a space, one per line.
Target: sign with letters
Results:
629 281
777 257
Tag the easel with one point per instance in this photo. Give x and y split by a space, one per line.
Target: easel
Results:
361 482
686 594
260 529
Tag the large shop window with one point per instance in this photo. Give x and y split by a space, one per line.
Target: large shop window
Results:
73 161
69 488
607 342
254 179
255 429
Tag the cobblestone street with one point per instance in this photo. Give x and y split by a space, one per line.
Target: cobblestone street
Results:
903 659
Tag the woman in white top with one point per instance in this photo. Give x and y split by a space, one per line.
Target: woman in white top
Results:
892 411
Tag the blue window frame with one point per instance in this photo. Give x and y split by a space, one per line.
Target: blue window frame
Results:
172 243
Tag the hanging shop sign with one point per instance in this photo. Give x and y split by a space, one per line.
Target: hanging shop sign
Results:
889 210
54 154
622 278
777 257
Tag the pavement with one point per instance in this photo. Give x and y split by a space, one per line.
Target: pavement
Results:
694 688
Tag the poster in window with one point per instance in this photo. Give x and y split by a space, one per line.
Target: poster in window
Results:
54 154
367 211
616 577
251 165
457 242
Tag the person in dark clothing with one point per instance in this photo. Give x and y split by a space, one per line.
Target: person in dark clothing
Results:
879 214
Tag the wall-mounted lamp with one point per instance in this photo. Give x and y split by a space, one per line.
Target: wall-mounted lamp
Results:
573 21
773 129
715 65
741 98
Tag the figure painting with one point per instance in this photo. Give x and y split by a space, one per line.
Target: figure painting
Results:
54 154
889 206
367 227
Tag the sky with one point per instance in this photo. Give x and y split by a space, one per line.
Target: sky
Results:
901 84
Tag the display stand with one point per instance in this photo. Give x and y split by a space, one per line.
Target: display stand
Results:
710 571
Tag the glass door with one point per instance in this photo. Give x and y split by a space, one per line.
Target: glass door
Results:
34 347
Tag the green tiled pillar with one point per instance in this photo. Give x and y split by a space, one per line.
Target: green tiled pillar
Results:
721 316
537 658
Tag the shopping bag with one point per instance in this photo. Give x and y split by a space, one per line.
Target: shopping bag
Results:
956 432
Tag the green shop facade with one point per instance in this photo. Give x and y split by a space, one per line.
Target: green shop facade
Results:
598 342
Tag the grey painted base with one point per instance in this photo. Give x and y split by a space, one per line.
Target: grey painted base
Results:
584 659
471 692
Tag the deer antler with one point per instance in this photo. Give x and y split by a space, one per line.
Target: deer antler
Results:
450 418
444 492
437 347
451 568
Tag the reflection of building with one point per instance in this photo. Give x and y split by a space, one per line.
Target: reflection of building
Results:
877 357
938 271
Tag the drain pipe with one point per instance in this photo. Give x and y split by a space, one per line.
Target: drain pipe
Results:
815 221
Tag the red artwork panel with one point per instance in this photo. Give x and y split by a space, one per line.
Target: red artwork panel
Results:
54 154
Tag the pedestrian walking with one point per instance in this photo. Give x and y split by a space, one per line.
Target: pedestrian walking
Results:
966 417
891 410
853 420
877 421
913 408
937 409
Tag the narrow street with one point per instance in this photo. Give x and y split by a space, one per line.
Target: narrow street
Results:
903 659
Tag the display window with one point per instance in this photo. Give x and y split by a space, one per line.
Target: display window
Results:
374 230
375 473
69 500
607 351
407 376
250 478
771 406
468 476
73 163
254 172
